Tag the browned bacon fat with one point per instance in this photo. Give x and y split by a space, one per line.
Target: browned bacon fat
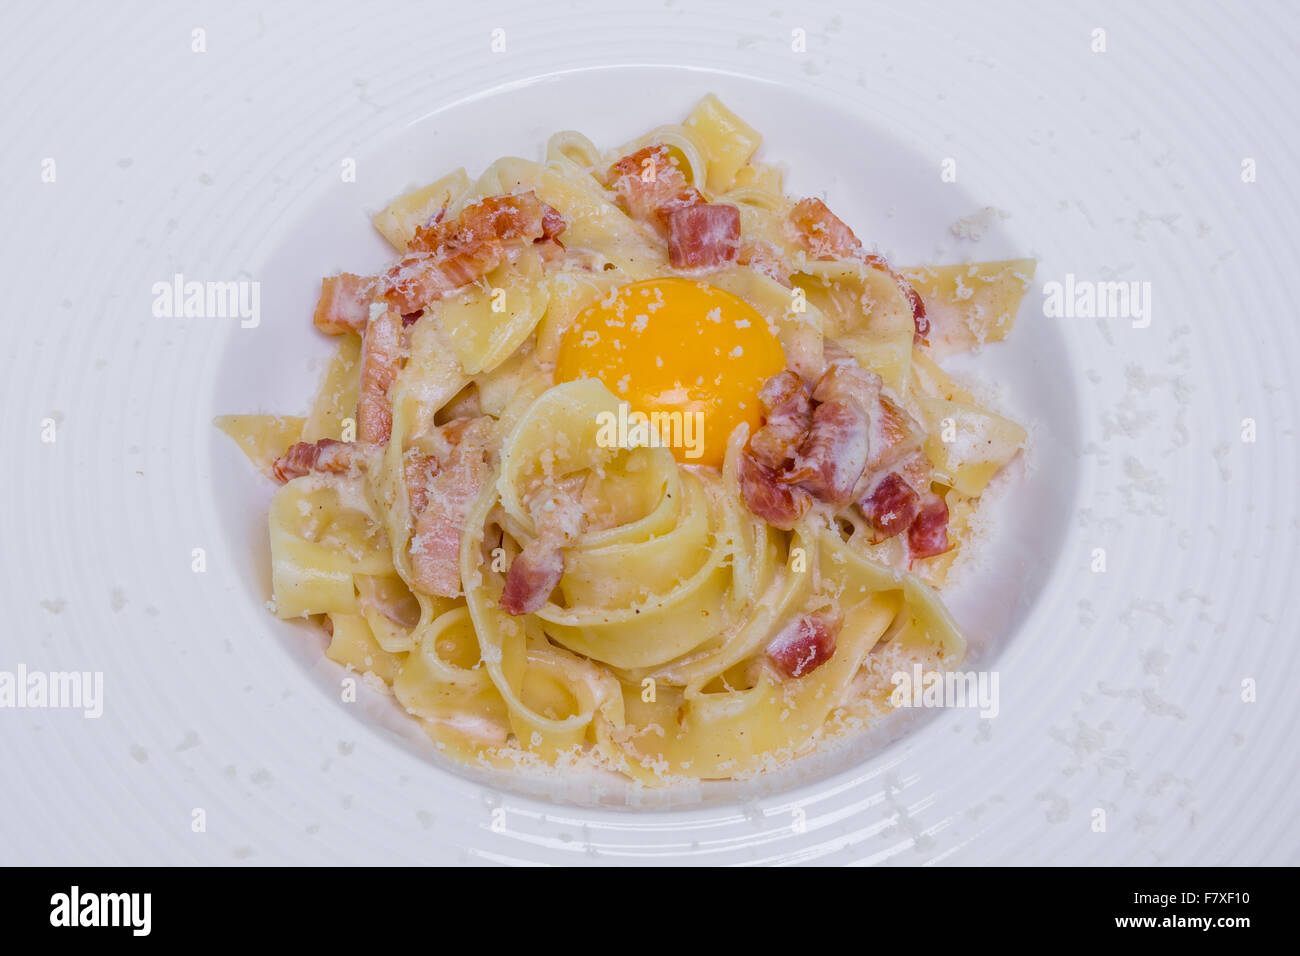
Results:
327 455
806 643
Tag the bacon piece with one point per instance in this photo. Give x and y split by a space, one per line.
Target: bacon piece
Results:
806 643
895 434
892 505
327 455
846 381
827 236
508 218
787 415
445 486
447 254
422 278
703 236
895 442
762 257
928 534
553 223
381 355
833 455
823 233
919 317
779 504
344 304
651 187
536 571
700 234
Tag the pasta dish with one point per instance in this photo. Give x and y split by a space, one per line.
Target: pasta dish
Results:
631 461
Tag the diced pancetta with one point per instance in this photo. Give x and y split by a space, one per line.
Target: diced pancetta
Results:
763 257
653 190
327 455
426 277
558 519
381 357
508 218
445 486
895 434
766 496
833 454
891 506
703 236
787 416
823 233
446 254
928 534
650 187
826 236
806 643
344 304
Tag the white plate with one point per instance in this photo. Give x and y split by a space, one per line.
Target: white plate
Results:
1120 691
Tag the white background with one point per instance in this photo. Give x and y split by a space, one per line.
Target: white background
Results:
1122 691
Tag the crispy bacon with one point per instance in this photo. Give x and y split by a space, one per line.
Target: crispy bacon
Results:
827 236
787 416
344 304
780 505
444 486
381 356
928 534
514 217
806 643
891 506
327 455
703 236
536 571
446 254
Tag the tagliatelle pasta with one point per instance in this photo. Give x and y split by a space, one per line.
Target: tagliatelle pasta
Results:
464 511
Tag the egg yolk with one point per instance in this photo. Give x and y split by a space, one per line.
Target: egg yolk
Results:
677 345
